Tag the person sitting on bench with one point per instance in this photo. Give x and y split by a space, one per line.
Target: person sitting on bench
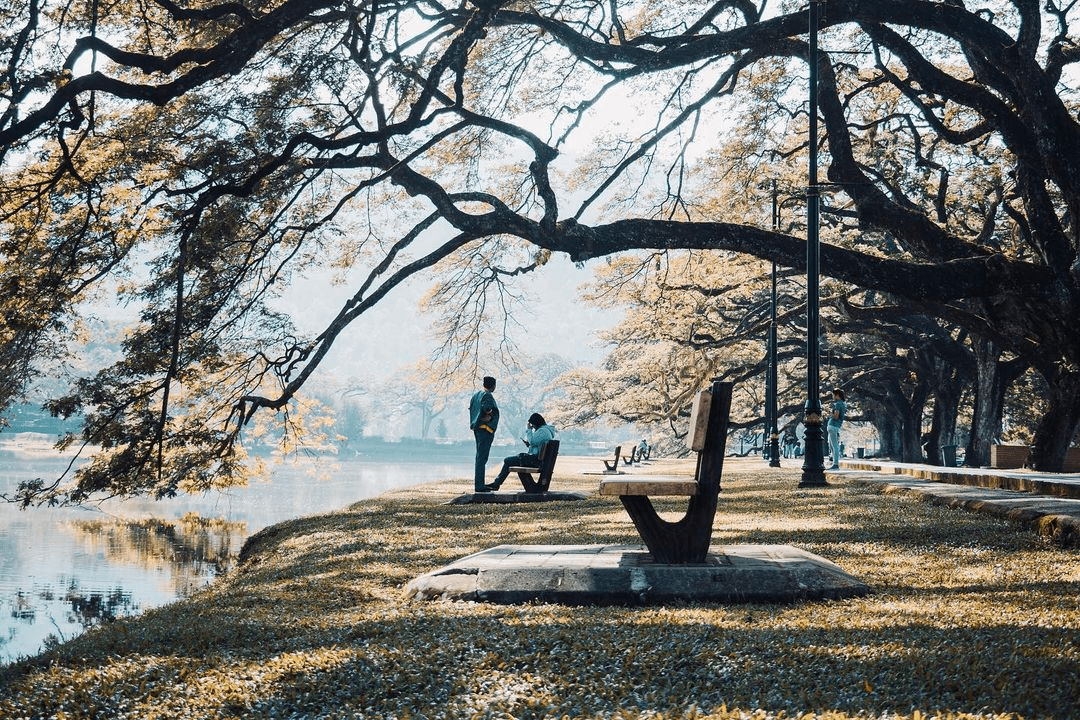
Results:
539 432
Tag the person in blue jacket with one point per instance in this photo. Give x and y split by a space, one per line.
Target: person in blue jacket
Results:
538 433
836 421
483 421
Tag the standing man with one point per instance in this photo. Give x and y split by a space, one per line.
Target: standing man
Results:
483 421
836 421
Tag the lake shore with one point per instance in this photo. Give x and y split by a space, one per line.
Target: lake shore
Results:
969 617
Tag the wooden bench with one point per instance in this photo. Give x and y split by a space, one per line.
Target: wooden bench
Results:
613 466
633 458
549 451
686 540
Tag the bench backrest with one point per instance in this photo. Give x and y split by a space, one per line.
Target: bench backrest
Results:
548 452
613 465
708 435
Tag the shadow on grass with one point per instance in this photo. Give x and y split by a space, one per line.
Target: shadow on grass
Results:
975 618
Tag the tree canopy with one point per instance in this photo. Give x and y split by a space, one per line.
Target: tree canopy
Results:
187 159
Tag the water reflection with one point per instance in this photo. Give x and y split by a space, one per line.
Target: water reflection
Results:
196 548
65 570
102 569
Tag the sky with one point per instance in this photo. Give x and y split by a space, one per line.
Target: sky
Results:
394 334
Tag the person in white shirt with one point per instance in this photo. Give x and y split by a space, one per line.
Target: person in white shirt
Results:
538 433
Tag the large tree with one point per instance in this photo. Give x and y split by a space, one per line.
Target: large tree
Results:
189 159
690 317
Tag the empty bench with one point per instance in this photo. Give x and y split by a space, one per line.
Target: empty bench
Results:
686 540
612 466
549 451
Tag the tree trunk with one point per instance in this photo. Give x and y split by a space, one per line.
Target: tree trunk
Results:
1058 425
947 392
889 435
989 401
910 411
993 378
911 450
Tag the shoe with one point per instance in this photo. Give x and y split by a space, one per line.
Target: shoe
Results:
485 489
491 488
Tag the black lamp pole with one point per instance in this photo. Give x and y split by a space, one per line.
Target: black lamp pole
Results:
771 393
813 471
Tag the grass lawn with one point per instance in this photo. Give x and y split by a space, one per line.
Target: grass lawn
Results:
969 617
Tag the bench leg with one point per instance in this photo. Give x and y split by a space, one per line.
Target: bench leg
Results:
530 485
673 543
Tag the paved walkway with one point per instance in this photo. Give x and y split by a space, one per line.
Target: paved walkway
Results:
1048 503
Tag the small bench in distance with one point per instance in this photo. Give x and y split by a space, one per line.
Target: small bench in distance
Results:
611 467
637 455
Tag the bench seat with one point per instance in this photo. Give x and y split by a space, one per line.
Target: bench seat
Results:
649 485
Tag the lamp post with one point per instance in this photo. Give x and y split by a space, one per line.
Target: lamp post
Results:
813 470
771 389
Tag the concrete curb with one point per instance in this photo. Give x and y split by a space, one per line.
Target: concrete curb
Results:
1066 485
1055 518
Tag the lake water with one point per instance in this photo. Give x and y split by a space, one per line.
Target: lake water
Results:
63 570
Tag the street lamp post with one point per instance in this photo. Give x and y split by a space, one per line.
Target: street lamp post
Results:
774 432
813 470
771 388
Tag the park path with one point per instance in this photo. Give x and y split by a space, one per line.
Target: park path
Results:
1049 503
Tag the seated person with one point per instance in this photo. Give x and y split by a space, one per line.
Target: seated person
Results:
539 432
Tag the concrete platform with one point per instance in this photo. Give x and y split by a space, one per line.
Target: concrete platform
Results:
626 575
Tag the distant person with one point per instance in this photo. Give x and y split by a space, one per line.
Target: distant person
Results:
483 421
643 449
538 433
790 444
837 415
